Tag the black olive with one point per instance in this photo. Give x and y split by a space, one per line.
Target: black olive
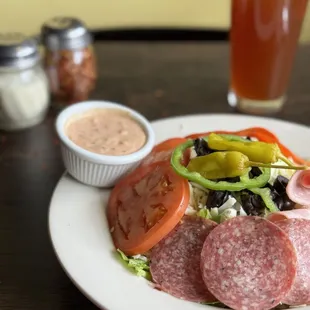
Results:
201 147
278 193
284 203
217 198
269 186
258 203
233 180
248 138
280 184
230 180
273 193
255 172
252 204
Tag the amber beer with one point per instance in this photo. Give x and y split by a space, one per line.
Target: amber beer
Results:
264 36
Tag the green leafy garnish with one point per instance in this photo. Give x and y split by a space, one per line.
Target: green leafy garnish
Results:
136 265
205 213
211 215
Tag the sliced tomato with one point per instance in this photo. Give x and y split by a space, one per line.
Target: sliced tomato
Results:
163 152
169 144
145 206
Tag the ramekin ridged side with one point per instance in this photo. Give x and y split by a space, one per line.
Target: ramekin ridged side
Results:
94 174
95 169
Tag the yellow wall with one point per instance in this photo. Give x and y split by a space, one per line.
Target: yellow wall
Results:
28 15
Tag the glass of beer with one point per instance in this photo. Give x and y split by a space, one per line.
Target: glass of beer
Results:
263 38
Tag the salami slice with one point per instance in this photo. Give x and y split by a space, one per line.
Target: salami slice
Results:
248 263
175 261
292 214
298 230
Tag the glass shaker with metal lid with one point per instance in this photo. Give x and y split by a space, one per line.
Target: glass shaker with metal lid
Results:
69 59
24 91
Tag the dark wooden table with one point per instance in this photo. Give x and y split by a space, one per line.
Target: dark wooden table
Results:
158 80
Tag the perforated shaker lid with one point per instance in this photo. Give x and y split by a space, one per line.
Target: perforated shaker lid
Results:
65 33
18 50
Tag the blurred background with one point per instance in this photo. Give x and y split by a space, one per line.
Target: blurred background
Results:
114 15
203 74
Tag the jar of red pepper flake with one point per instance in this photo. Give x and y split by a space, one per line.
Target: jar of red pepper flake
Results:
69 59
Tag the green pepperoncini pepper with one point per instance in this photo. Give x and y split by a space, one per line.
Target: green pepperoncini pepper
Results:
203 169
220 165
257 151
226 164
245 181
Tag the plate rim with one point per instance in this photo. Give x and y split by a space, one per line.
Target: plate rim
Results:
244 116
63 267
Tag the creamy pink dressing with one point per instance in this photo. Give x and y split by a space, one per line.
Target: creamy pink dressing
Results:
107 132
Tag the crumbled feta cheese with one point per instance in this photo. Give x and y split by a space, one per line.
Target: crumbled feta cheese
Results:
228 204
252 138
139 256
237 206
193 153
214 212
190 210
228 214
242 212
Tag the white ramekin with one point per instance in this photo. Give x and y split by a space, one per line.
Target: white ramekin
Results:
96 169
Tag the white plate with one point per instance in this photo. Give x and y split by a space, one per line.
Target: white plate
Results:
80 235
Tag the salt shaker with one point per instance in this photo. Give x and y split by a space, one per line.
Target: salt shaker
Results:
24 90
69 59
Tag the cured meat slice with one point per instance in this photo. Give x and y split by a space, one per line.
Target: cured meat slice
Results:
248 263
298 230
298 188
292 214
175 260
297 206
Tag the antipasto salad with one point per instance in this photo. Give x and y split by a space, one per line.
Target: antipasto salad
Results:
220 218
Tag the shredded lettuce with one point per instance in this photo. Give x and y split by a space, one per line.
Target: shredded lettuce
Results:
211 215
198 196
274 172
138 266
205 213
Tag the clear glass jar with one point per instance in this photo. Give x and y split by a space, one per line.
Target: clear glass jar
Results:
24 89
72 74
69 59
